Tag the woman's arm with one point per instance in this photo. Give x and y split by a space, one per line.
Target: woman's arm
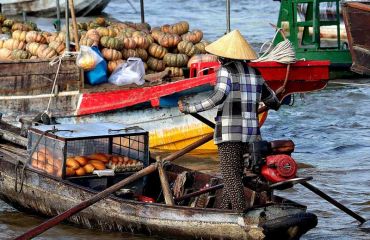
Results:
219 94
269 97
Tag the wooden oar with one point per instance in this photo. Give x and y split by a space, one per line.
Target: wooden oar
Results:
151 168
305 184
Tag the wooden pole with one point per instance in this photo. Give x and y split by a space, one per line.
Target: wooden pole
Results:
142 11
68 47
228 27
168 197
58 15
74 24
66 214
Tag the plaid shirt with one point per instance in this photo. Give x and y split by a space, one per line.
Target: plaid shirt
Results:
238 91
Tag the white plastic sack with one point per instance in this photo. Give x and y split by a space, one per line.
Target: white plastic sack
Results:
87 58
132 71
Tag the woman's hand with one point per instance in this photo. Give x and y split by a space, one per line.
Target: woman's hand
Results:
181 106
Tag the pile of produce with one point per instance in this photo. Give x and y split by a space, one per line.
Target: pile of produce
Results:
169 46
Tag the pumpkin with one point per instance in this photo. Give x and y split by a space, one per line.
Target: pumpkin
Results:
92 25
193 36
201 47
138 34
103 31
82 26
143 54
149 71
46 53
2 18
149 38
111 54
142 26
156 64
5 54
175 71
145 66
33 36
94 35
127 53
5 30
1 43
60 37
187 48
157 34
166 28
157 51
59 47
175 60
179 28
21 26
87 42
33 48
8 23
33 57
202 58
129 43
100 21
141 42
12 44
20 54
19 35
112 65
110 42
169 40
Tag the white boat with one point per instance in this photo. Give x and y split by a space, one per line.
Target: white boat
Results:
47 8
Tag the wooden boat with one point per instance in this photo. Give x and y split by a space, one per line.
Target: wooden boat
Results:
356 19
269 217
26 86
47 8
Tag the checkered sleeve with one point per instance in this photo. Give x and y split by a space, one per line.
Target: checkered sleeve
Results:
219 94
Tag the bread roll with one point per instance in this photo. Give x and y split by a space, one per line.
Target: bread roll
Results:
34 155
72 163
98 165
100 156
81 160
114 159
34 163
49 169
70 171
89 168
80 171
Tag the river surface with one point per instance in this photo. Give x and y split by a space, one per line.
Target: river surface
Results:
331 127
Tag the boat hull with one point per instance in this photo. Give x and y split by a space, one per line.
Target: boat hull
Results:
47 196
47 8
357 18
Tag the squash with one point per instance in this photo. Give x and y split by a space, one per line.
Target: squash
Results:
112 65
193 36
2 18
127 53
59 47
5 30
143 54
82 26
60 37
157 34
33 36
149 38
5 54
87 42
187 48
175 71
94 35
12 44
157 51
1 43
111 54
100 21
156 64
129 43
19 35
175 60
166 28
179 28
145 66
169 40
201 47
110 42
103 31
46 53
8 23
22 27
138 34
141 42
202 58
142 26
18 54
33 48
92 25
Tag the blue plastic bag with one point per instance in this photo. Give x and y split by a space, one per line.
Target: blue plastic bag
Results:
99 74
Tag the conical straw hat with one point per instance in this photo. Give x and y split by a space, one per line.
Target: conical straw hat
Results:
232 45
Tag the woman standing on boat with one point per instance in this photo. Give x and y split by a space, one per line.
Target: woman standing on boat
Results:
238 92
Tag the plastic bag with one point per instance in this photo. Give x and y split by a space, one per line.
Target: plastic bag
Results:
132 71
87 58
99 74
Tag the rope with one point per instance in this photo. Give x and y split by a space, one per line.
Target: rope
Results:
57 60
283 52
